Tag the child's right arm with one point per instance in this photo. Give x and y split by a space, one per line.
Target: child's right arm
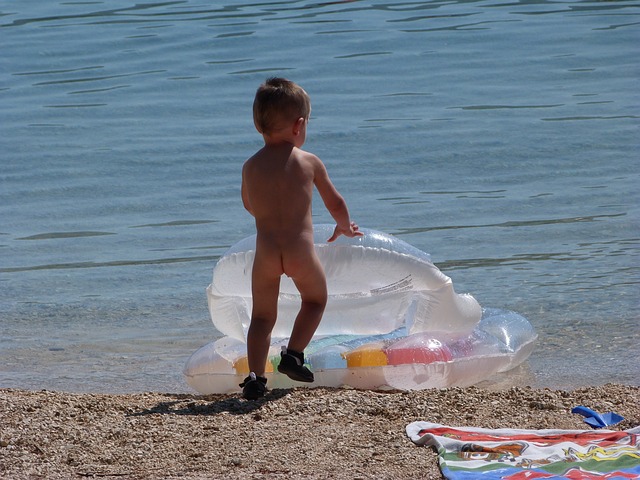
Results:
245 196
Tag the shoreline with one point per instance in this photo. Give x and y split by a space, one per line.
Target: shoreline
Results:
291 433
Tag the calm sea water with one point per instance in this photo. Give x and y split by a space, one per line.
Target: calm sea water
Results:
501 137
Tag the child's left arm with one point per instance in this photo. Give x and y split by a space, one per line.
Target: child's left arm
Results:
335 204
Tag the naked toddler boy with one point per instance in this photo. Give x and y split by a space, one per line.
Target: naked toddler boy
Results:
277 189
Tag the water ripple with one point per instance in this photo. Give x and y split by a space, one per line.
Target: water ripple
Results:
99 90
511 261
54 235
114 263
261 70
176 223
506 107
364 54
476 26
513 223
97 79
57 72
589 117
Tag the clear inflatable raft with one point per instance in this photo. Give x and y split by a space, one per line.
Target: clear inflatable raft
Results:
393 320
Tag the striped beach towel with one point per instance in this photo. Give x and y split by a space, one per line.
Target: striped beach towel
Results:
480 453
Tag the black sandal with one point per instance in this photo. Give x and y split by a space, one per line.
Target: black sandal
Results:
292 365
254 387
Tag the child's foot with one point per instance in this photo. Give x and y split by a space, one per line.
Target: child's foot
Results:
254 387
292 365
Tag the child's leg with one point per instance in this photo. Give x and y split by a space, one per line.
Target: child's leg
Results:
312 286
265 286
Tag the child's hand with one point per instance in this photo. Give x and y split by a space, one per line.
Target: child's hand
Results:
350 232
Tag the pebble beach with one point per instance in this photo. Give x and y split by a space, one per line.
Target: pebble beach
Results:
291 433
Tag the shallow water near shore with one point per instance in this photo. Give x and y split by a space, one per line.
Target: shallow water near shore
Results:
500 137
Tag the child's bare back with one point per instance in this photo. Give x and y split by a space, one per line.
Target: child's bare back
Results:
278 188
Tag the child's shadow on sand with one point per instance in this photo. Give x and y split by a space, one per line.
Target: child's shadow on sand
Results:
184 404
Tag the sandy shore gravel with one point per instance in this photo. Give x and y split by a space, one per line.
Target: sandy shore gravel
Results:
293 433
